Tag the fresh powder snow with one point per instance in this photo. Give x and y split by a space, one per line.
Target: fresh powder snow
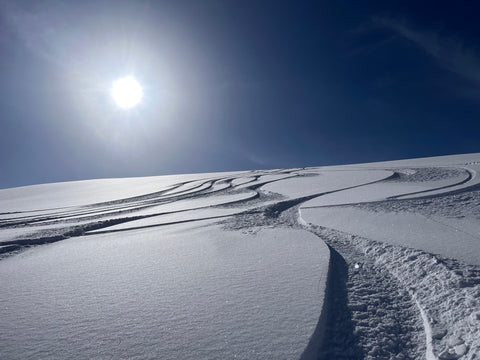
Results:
365 261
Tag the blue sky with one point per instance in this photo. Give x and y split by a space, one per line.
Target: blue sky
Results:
232 85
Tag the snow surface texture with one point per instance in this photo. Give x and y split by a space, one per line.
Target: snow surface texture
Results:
201 293
367 261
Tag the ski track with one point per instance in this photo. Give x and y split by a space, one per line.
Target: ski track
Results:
382 302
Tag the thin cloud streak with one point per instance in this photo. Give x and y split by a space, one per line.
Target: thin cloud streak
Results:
450 53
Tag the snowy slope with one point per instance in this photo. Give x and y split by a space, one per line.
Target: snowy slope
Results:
367 261
186 292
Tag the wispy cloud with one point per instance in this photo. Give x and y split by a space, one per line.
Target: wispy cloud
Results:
451 53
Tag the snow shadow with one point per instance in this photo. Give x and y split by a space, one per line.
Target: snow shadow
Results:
338 340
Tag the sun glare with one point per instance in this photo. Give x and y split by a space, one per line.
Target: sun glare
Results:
127 92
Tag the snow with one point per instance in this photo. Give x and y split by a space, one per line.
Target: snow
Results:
401 228
402 188
326 181
242 180
188 204
77 193
363 261
148 294
173 218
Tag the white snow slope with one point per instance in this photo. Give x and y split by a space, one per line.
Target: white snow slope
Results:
367 261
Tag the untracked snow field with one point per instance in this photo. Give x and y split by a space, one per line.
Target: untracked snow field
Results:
366 261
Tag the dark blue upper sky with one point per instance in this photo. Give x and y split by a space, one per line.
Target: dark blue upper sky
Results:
233 85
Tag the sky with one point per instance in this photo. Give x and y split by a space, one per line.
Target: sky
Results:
232 85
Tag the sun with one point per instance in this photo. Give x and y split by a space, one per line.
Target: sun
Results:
127 92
